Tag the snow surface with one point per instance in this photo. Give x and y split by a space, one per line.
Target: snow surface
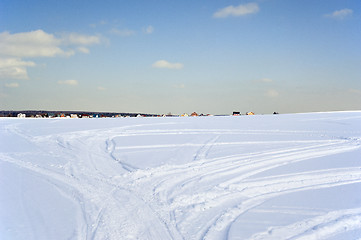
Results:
295 176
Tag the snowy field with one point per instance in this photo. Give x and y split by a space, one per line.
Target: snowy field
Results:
295 176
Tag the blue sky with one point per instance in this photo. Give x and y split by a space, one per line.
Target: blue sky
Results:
181 56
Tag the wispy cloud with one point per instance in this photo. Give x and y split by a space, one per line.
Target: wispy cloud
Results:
166 64
272 93
68 82
14 68
79 39
83 50
240 10
266 80
12 85
340 14
149 29
263 81
101 88
357 91
122 32
179 86
102 22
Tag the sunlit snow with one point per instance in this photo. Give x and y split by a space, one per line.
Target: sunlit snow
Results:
291 176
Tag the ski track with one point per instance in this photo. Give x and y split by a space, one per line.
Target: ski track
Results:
319 227
200 199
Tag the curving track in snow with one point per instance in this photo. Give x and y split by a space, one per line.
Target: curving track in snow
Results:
193 178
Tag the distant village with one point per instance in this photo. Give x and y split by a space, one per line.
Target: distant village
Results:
68 114
73 114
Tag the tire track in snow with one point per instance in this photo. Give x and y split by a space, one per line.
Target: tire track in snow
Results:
197 200
114 221
204 149
110 146
218 169
212 143
259 191
173 185
319 227
92 189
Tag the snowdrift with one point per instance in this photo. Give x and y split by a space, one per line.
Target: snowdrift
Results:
248 177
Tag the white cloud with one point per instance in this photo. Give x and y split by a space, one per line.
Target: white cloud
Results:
272 93
149 29
33 44
340 14
123 32
240 10
30 44
68 82
83 50
41 44
101 88
12 85
14 68
166 64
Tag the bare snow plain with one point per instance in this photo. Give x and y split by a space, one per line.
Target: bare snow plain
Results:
291 176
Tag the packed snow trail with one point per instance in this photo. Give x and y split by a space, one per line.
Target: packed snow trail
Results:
181 178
